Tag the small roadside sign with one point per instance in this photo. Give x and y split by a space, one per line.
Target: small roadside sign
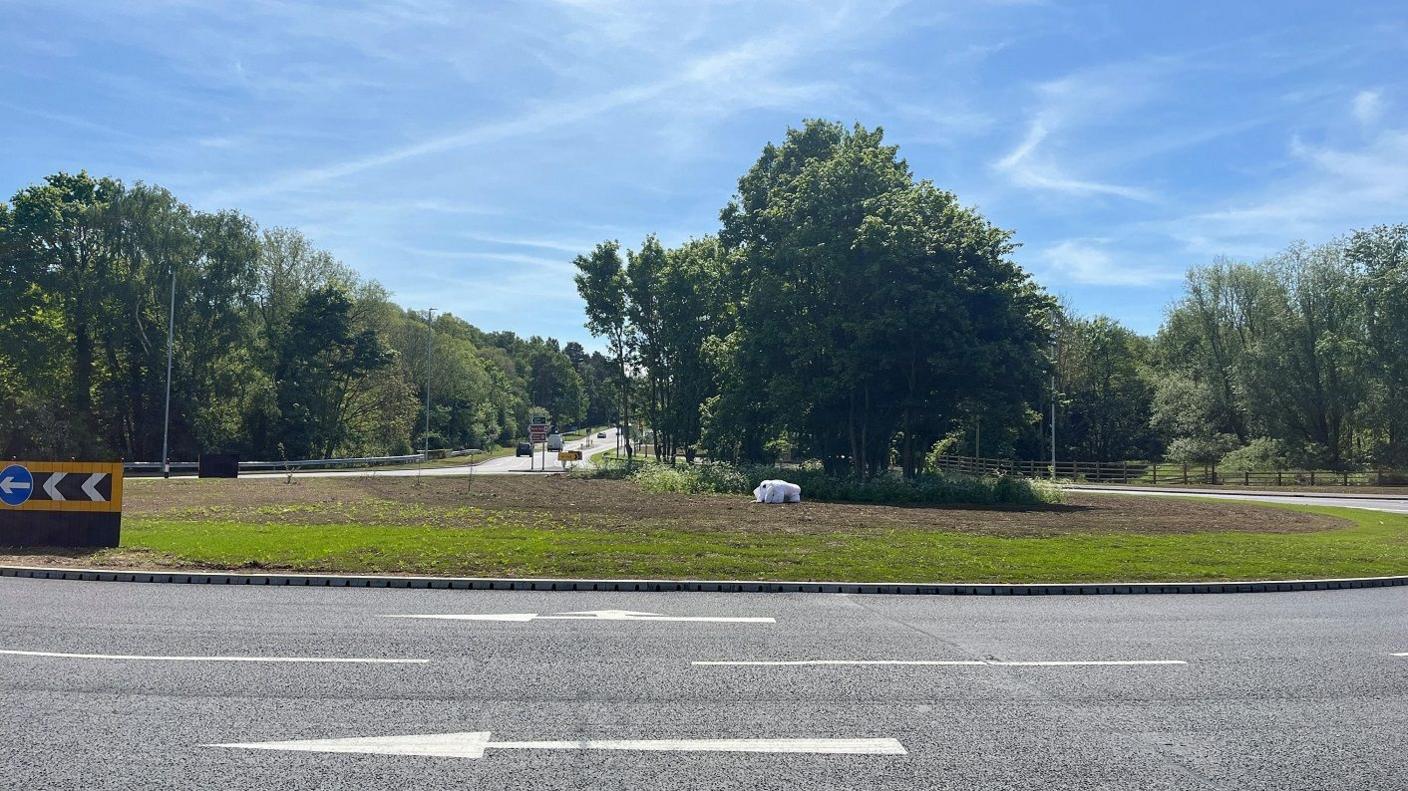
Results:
569 455
16 485
61 504
538 433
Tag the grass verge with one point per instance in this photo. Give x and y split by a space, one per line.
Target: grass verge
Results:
559 526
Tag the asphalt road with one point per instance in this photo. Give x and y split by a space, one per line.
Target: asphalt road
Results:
1397 504
1279 691
590 446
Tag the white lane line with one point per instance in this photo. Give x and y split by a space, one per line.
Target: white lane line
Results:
474 744
938 662
1404 653
809 662
142 658
1097 663
587 615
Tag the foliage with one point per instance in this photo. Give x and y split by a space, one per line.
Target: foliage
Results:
275 340
845 310
693 479
1262 453
1305 348
929 488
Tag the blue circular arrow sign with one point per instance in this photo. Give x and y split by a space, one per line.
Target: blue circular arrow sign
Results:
16 485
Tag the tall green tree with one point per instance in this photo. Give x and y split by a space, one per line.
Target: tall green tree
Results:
601 282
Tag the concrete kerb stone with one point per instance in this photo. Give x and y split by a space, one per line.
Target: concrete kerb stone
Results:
713 586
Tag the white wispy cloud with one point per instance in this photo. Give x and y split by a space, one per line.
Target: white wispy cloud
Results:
1073 105
1027 168
1091 261
1368 107
1334 190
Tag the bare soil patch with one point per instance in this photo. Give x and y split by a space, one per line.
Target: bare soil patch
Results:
560 501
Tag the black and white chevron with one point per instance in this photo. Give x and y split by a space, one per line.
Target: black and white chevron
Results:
83 487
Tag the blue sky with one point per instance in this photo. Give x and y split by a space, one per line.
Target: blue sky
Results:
462 153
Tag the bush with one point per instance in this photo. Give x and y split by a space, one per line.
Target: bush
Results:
693 479
1262 453
926 489
1200 450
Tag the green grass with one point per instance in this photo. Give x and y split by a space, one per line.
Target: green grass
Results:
1373 544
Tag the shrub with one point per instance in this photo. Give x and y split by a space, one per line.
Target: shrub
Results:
927 489
1200 450
1262 453
693 479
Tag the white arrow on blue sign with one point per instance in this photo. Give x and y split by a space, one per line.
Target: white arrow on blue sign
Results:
16 485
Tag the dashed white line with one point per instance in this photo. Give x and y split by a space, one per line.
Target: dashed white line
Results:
809 662
940 662
146 658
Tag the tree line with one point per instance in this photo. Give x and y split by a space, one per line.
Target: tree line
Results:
848 312
279 349
843 310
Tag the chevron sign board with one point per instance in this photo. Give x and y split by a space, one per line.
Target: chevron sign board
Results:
60 503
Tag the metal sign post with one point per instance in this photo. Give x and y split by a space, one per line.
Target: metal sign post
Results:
538 432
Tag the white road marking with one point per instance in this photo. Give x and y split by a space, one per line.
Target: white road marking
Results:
142 658
588 615
472 744
937 662
1094 662
809 662
1404 653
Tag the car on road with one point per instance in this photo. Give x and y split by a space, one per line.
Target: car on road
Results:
601 435
554 442
524 449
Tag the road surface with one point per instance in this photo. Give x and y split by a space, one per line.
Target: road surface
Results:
1396 504
117 685
590 446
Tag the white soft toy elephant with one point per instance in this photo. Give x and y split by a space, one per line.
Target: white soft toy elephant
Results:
778 492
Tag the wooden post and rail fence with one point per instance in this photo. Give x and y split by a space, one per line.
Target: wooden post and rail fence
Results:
1149 473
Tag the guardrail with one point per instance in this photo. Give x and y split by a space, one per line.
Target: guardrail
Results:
1157 473
154 467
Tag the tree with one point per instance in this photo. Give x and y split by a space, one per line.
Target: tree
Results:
601 282
1108 401
324 374
870 306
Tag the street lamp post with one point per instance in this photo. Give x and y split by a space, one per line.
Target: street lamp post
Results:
1053 406
170 347
429 336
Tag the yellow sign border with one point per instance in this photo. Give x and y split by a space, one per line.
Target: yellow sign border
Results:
113 469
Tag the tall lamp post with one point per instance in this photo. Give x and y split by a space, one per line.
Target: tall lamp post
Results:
429 336
170 345
1053 403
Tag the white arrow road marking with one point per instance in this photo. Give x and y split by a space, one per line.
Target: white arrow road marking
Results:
51 485
9 484
90 486
140 658
937 662
472 744
588 615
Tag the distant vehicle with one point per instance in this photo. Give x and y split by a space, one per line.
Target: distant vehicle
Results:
554 442
601 435
524 449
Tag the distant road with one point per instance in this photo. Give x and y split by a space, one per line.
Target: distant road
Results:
504 465
1394 503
